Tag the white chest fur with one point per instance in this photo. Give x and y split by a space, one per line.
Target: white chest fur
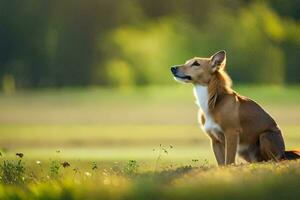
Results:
210 126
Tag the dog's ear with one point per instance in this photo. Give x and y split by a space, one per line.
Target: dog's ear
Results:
218 60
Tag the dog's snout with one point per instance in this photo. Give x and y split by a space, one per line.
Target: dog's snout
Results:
174 69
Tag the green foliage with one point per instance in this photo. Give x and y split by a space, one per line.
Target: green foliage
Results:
139 42
119 74
131 168
149 50
12 172
54 169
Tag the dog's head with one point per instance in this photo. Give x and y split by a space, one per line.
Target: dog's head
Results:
199 70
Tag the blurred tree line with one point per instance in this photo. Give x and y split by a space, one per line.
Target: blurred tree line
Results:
133 42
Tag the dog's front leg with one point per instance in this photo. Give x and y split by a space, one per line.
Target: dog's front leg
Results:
231 143
219 151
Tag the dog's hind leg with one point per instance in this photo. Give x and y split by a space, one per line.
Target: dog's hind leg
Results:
271 146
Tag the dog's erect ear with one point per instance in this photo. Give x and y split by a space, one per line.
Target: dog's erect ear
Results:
218 60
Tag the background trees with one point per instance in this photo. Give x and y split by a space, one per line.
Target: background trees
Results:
118 42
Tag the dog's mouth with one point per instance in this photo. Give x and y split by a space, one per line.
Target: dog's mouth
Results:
178 75
184 77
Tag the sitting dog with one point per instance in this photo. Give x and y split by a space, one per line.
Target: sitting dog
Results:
234 123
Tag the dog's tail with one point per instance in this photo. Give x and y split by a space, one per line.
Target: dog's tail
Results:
292 155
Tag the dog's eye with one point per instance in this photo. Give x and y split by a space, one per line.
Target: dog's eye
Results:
196 63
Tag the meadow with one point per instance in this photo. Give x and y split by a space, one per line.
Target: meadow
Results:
133 143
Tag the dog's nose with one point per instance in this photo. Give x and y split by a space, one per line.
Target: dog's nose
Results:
174 69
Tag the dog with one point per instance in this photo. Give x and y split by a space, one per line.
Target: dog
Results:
234 123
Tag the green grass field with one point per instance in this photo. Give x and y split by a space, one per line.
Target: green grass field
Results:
154 127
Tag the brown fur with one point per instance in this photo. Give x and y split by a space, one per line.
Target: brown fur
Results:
219 84
246 128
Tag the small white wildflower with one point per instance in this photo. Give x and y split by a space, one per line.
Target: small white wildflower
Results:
38 162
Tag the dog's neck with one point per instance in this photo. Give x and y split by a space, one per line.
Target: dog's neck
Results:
201 95
208 95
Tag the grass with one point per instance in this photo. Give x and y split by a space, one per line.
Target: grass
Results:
126 181
140 143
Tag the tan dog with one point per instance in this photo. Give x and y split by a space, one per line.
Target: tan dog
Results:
235 124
